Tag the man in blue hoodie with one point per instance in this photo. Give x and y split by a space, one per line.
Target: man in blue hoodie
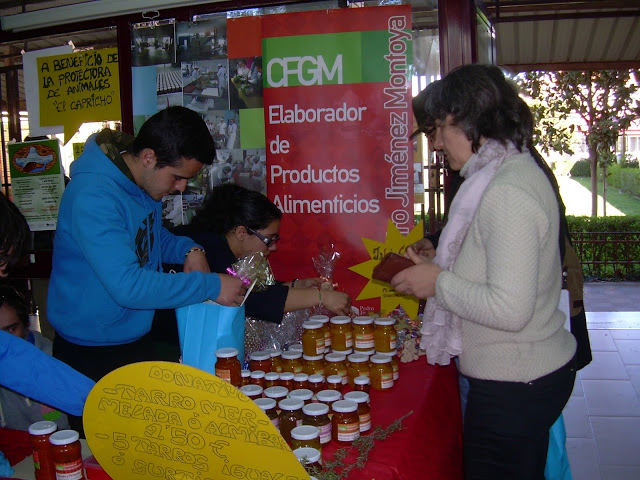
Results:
107 277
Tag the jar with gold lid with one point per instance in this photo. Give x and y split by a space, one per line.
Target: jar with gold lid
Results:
362 334
312 338
358 366
381 372
341 333
364 410
384 334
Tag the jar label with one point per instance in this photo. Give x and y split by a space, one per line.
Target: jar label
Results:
386 380
348 339
365 422
348 432
392 344
325 433
327 338
224 374
69 471
320 345
276 422
364 341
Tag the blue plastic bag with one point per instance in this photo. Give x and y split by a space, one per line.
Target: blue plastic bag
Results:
557 467
205 327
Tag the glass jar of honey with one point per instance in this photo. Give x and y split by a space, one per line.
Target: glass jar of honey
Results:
358 366
252 391
306 436
394 363
312 364
290 416
381 372
260 360
228 366
300 380
336 364
257 378
310 458
316 384
344 353
295 347
276 359
268 406
326 328
291 361
276 393
245 375
334 382
286 380
271 379
312 338
303 394
317 414
341 333
361 384
384 334
345 424
362 334
364 410
328 397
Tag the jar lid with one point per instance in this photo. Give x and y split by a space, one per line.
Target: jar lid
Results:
251 390
265 403
291 355
385 321
340 320
286 376
346 352
245 373
276 392
312 358
362 380
227 352
316 378
334 379
301 393
344 406
274 352
300 377
305 432
64 437
315 409
257 374
325 396
296 347
319 318
260 355
311 325
357 358
306 455
368 353
42 427
380 359
358 397
362 321
290 404
271 376
388 354
335 357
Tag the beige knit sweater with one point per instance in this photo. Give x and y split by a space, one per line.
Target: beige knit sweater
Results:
506 280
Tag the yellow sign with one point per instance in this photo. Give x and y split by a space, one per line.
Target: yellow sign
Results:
79 87
389 298
175 422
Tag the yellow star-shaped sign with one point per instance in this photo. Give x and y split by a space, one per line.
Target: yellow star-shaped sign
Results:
389 298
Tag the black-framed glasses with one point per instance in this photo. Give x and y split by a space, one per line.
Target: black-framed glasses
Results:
266 240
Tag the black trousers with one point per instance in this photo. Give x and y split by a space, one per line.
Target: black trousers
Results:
506 429
96 362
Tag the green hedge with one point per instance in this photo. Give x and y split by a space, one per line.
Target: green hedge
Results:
581 168
606 248
624 178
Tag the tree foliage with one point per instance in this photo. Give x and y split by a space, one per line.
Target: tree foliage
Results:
606 101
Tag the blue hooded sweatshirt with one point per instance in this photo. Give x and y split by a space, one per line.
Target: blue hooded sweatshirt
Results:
109 246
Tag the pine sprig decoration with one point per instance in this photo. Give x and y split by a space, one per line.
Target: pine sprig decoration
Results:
336 469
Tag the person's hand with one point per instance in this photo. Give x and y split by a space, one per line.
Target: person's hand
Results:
338 302
196 261
424 248
232 290
419 280
308 282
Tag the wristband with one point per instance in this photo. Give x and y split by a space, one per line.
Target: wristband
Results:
319 297
195 249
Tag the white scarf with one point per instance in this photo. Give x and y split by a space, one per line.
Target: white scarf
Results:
441 329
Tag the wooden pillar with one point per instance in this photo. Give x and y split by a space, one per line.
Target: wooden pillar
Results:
457 25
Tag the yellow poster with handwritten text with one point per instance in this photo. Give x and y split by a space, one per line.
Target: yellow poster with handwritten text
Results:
79 87
175 422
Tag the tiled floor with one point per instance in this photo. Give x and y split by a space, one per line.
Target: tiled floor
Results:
602 416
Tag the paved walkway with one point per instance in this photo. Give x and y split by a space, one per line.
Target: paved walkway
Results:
612 296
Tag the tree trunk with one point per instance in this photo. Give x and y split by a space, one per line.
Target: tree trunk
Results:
604 191
593 161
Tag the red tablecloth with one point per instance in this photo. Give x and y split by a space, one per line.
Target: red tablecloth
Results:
15 445
430 445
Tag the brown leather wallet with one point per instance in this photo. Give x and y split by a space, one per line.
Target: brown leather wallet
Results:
390 264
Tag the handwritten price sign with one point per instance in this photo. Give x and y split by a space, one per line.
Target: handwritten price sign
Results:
172 421
79 87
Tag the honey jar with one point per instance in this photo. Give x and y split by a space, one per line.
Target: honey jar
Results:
257 378
317 414
381 372
310 458
276 359
361 384
341 334
276 393
312 364
306 436
271 379
384 334
336 364
364 410
260 360
345 424
290 416
245 375
303 394
312 338
286 380
394 363
344 353
362 334
334 382
268 406
316 384
326 328
358 366
252 391
328 397
228 366
291 361
300 380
